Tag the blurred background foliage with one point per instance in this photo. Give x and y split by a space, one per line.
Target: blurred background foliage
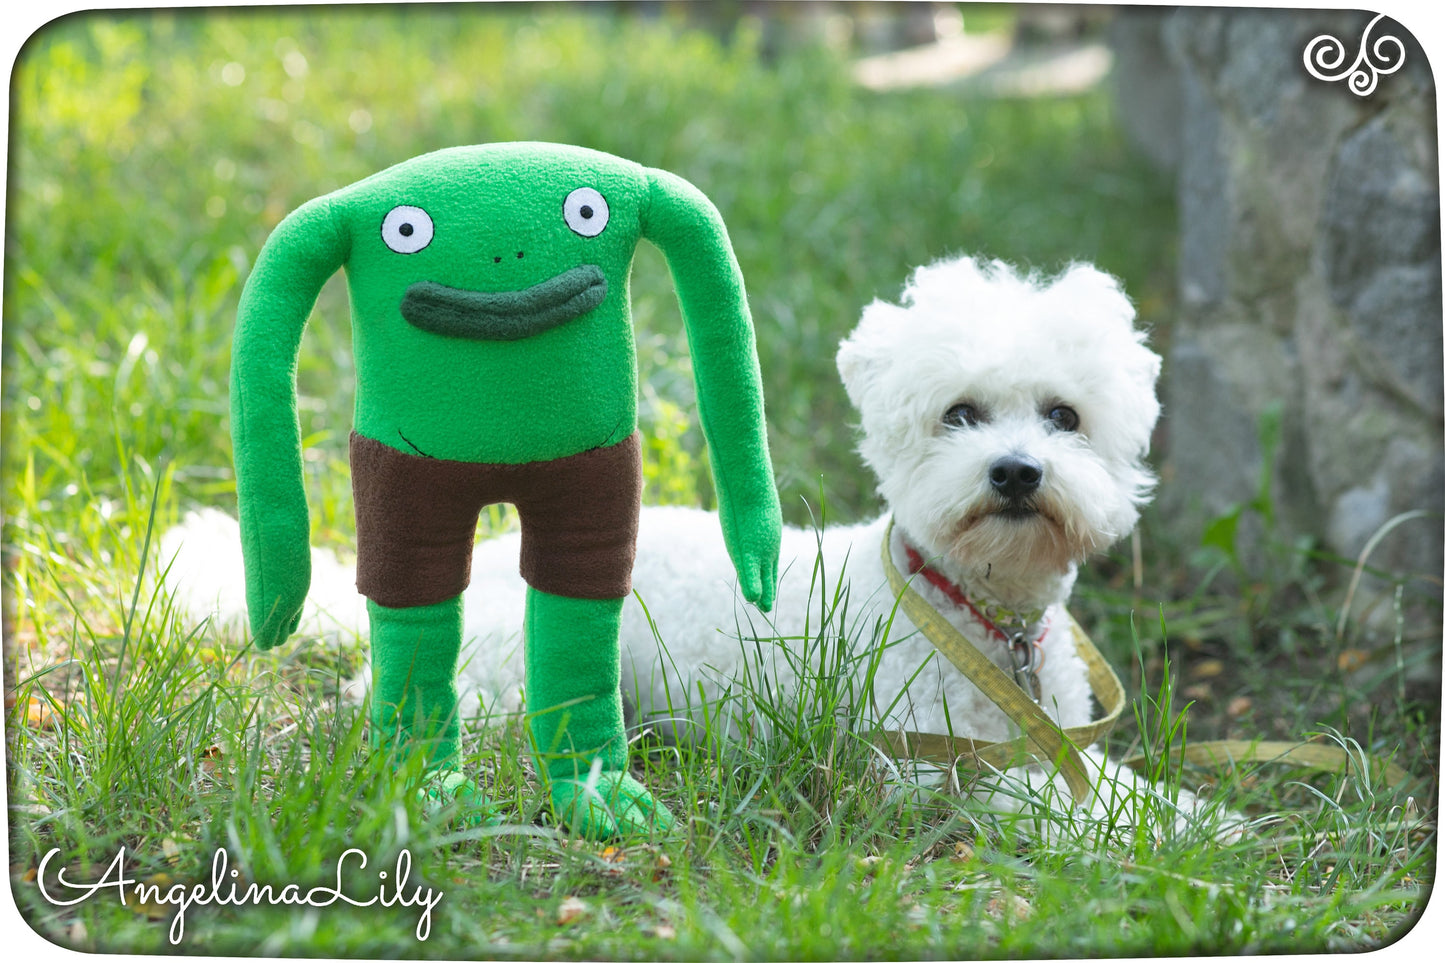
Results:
152 152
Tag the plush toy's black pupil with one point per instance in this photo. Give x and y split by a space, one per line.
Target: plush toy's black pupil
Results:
405 230
586 211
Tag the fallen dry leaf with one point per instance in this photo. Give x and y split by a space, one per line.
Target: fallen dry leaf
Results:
1016 907
153 911
1351 659
211 758
664 931
38 714
571 909
1207 668
1238 706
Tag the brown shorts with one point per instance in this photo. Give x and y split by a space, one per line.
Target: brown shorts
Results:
416 520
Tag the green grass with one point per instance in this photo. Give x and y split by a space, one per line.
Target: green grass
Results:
174 742
151 155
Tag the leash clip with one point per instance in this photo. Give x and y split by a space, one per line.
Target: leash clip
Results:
1021 653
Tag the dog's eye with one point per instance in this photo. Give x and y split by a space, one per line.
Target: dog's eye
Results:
961 416
1063 418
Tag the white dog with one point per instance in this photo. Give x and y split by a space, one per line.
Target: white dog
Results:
1006 418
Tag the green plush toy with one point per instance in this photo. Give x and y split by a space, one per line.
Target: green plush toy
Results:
495 363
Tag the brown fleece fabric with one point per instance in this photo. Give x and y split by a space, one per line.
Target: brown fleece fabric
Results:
416 519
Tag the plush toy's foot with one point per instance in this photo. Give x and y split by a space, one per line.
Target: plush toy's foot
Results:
614 805
449 794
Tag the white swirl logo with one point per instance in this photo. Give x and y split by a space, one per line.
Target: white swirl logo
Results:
1325 54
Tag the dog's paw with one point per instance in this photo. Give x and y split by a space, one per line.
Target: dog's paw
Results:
608 805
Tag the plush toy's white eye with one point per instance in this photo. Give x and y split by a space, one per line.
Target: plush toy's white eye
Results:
406 229
585 212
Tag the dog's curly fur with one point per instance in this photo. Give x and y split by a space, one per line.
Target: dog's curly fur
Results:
977 366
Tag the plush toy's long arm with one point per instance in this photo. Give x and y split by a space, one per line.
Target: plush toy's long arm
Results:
690 233
303 251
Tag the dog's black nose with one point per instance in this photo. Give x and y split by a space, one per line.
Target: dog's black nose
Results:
1015 476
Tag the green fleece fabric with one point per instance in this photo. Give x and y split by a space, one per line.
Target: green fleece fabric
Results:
729 385
491 323
413 677
300 255
574 716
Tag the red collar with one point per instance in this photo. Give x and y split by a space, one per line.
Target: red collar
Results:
960 598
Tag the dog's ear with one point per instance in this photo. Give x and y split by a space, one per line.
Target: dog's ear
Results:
1149 364
1085 284
863 355
851 366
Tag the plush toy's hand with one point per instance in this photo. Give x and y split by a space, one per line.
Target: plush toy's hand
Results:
274 631
753 539
278 577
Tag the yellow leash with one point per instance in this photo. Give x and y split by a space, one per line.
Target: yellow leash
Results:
1231 753
1043 741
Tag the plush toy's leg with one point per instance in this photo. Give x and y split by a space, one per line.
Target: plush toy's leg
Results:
414 693
574 705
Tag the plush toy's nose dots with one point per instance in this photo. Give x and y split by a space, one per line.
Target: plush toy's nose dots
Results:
497 258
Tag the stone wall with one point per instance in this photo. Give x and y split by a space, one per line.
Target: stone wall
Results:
1309 276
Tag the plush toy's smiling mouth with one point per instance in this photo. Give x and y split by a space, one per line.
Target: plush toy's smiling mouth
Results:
504 315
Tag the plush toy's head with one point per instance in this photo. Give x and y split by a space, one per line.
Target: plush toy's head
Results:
489 295
490 322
